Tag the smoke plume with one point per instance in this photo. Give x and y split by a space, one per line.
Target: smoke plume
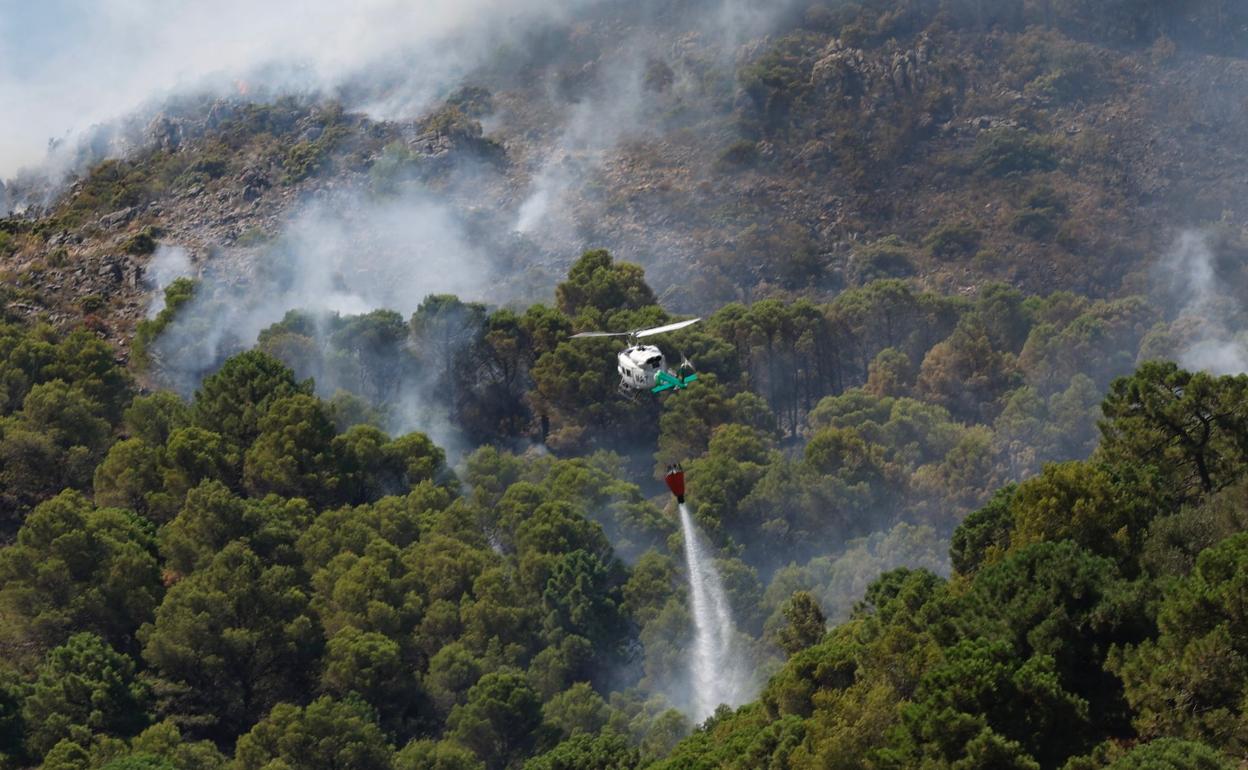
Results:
68 65
1210 333
346 254
168 264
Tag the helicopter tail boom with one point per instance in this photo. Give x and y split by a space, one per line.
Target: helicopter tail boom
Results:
667 381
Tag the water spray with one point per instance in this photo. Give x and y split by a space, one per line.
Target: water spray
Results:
719 672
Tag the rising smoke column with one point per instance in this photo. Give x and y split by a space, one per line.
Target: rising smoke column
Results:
1207 309
720 674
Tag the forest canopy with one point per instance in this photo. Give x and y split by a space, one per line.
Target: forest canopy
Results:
957 532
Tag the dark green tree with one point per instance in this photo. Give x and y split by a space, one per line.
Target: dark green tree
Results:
78 568
372 346
326 735
1192 429
805 624
588 751
501 720
577 710
293 453
983 537
130 477
1171 754
232 401
1190 681
154 417
232 639
436 755
598 284
84 687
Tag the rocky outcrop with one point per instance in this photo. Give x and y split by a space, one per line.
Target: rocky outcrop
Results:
848 74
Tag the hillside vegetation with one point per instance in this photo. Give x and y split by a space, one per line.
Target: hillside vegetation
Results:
264 578
1052 144
261 509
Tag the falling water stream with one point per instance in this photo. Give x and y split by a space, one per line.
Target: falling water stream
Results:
719 674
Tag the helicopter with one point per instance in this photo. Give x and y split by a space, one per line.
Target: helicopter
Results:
643 366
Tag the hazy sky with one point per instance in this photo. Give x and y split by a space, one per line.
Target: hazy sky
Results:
68 64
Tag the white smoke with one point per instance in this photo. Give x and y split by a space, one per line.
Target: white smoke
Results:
168 264
1188 274
618 106
68 65
593 127
345 254
75 71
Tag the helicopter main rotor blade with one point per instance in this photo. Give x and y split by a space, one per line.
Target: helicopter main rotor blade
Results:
667 328
601 334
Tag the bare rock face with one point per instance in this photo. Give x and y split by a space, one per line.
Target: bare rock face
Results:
848 74
254 181
841 71
166 133
117 218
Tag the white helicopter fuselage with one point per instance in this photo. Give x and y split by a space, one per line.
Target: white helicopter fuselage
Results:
638 364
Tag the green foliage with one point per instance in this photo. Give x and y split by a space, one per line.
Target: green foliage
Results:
577 710
129 476
38 355
888 257
1084 503
292 455
52 443
212 517
177 294
777 81
451 121
67 755
984 707
1175 541
806 623
1189 682
83 687
140 762
13 691
1171 754
371 666
78 568
310 157
1188 428
952 240
604 751
984 536
500 720
142 243
966 374
1041 214
838 582
1057 600
232 401
436 755
165 740
597 287
233 639
325 735
292 581
1007 151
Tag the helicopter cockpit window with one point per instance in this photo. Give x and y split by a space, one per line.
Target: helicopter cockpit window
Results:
654 360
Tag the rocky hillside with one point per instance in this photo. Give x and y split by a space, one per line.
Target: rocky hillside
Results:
847 144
